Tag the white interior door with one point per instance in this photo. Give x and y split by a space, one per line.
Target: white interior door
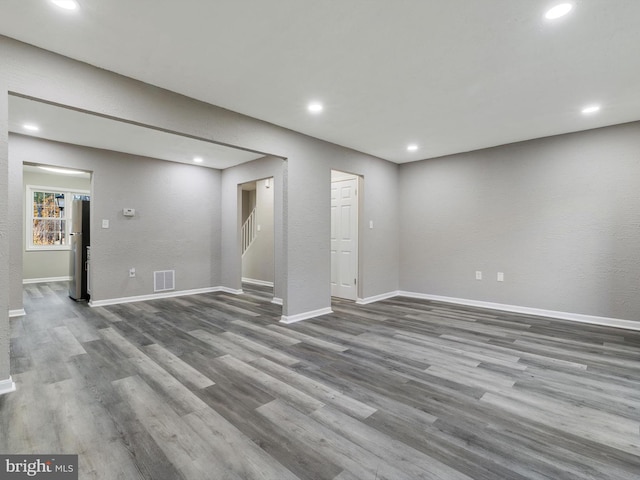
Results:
344 238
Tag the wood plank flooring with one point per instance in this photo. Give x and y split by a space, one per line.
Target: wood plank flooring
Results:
212 387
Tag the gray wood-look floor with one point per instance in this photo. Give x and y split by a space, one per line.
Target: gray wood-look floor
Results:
211 387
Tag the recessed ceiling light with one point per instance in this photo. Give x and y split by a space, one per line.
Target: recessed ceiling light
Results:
64 171
315 107
412 148
197 159
558 11
590 109
31 127
66 4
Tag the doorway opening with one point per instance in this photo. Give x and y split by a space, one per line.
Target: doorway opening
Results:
57 242
257 236
344 234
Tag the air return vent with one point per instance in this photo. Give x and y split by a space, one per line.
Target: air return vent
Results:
164 280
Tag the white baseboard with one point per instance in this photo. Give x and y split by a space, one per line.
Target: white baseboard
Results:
376 298
305 316
253 281
17 313
45 280
574 317
7 386
155 296
233 291
276 301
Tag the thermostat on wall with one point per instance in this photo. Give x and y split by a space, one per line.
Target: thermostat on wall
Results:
128 212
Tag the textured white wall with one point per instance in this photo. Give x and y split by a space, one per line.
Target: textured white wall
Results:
176 225
559 216
44 264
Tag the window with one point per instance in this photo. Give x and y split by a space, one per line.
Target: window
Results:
49 217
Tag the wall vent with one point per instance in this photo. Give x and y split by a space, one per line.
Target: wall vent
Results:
164 280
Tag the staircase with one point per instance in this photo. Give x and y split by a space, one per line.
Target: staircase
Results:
249 231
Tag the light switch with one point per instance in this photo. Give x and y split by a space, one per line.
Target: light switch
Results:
478 275
105 223
370 224
500 276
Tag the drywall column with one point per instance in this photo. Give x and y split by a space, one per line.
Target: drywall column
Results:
5 380
309 217
16 239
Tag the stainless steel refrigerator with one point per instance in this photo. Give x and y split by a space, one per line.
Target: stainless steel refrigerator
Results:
80 241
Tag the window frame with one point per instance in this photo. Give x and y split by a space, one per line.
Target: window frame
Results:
29 219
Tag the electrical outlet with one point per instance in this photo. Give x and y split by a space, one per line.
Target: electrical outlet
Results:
132 272
500 276
478 275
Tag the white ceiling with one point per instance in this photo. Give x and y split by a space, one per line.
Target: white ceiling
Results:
71 126
449 75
